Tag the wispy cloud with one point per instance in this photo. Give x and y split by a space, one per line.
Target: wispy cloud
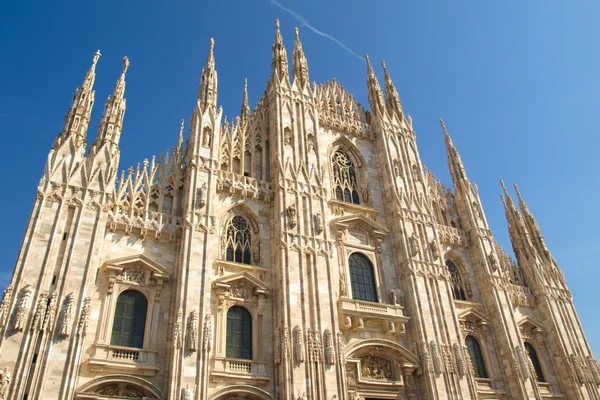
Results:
305 23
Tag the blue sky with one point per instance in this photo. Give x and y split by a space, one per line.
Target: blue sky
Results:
515 81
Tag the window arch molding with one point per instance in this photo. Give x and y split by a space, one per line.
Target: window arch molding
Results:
533 354
476 352
352 153
459 280
230 225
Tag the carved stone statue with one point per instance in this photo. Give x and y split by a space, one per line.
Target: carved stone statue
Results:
40 311
201 197
436 357
5 304
413 241
434 250
319 222
4 382
193 331
343 285
285 342
188 393
394 296
291 215
299 344
50 313
256 252
493 261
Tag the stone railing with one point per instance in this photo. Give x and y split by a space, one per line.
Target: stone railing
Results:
387 317
234 370
452 236
483 384
520 296
243 186
109 359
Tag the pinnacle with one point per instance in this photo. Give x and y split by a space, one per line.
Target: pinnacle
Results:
125 65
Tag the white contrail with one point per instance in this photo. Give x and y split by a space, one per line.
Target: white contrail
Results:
305 23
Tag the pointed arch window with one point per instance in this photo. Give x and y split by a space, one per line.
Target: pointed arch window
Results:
129 323
474 350
537 367
459 288
362 278
344 178
239 334
238 240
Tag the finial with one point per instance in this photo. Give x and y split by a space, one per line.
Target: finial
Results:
245 84
96 57
180 139
297 31
212 44
277 23
125 64
504 187
384 67
517 189
443 127
368 60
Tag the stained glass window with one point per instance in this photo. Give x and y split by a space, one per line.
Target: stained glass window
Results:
476 357
535 361
458 285
238 241
344 178
130 320
362 278
239 333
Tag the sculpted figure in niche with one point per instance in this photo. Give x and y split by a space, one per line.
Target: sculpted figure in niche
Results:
201 199
343 285
435 250
414 244
319 222
394 294
493 261
291 214
206 137
188 393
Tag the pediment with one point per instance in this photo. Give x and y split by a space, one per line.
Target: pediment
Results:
242 279
529 323
138 262
360 221
473 315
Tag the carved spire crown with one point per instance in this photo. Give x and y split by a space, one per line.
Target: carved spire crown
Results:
299 63
207 93
392 98
375 94
279 62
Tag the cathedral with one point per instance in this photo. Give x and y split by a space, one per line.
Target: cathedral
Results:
298 251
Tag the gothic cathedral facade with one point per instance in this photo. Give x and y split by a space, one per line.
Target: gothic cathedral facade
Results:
298 251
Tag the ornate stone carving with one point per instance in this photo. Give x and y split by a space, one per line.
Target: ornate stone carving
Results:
40 311
378 368
192 344
207 333
50 313
178 330
426 357
578 367
448 358
394 293
299 344
66 323
291 215
594 369
436 357
315 346
350 376
5 378
285 343
84 318
522 361
319 225
329 348
5 304
136 275
340 344
460 360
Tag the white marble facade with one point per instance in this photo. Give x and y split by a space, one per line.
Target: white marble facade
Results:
298 251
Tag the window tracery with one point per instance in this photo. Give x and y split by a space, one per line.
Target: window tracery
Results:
344 178
239 241
460 288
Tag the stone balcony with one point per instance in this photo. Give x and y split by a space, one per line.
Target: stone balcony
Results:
234 369
119 358
377 317
452 236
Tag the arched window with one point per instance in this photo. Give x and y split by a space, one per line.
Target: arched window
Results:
535 361
362 278
130 320
344 178
238 240
476 357
458 285
239 333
